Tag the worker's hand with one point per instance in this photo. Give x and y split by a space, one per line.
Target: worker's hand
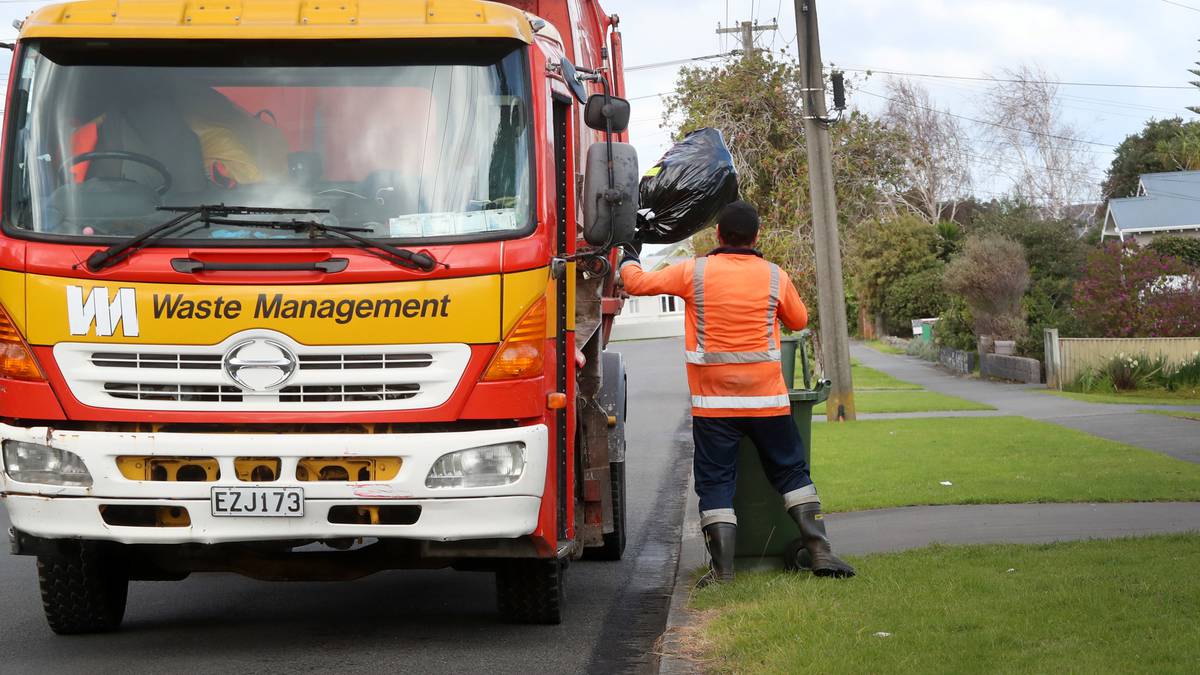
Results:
629 253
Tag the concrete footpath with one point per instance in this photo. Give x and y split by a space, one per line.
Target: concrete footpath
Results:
1179 438
898 529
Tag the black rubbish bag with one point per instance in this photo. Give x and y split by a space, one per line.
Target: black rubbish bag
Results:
686 188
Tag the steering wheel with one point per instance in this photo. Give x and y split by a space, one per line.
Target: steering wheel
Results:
135 157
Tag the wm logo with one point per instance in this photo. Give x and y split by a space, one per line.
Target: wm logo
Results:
98 310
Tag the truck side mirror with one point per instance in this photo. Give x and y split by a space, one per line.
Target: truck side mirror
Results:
606 112
610 212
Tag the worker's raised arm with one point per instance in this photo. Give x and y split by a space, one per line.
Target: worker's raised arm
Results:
674 280
792 311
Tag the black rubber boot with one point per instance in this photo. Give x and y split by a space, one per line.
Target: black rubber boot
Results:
720 539
812 533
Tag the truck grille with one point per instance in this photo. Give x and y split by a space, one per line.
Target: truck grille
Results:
138 391
336 379
163 361
353 392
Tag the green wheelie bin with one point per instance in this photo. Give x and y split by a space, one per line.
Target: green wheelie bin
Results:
766 536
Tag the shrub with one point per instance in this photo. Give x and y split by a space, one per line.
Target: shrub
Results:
1131 372
882 253
1130 291
991 275
922 349
917 296
1185 376
954 327
1186 249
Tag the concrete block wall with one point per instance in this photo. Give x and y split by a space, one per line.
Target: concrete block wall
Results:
957 360
1015 368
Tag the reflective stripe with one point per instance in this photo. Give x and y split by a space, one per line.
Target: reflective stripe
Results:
780 401
772 303
698 301
700 358
804 495
717 516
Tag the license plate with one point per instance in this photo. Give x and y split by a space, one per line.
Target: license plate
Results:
258 501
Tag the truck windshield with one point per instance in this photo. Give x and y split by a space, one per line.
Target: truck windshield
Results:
412 140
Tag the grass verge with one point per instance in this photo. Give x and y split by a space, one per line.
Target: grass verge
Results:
988 460
1187 415
1153 397
1122 606
869 379
880 346
868 401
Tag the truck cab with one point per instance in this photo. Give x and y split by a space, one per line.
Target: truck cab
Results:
300 291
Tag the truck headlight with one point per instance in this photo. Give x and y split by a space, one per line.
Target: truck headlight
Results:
35 463
486 466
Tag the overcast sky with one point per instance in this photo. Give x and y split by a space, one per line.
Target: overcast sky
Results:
1110 41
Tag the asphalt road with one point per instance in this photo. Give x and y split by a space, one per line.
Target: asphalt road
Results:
422 622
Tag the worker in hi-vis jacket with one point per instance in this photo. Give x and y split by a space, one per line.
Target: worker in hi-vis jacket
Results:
735 303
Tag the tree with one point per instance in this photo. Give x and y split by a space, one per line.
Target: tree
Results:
936 161
881 253
1162 145
915 296
1052 165
755 102
1133 291
991 275
1055 255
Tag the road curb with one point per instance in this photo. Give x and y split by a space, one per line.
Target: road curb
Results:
691 556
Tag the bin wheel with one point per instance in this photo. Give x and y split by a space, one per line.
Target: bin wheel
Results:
83 592
530 591
796 557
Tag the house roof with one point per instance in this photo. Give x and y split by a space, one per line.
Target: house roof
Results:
1171 183
1168 201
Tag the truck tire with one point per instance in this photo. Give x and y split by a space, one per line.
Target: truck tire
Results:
84 592
614 542
530 591
615 400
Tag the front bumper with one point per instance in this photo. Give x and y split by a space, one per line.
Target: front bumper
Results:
446 514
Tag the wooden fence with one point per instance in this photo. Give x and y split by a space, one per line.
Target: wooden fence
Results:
1075 355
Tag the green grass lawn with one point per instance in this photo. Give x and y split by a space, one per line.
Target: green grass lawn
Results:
919 400
989 460
1124 606
1174 413
1155 397
868 378
881 346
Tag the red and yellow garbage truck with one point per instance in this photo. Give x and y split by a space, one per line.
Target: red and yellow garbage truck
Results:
309 290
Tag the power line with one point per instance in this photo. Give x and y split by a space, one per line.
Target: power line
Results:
677 62
1180 4
985 122
973 89
1120 85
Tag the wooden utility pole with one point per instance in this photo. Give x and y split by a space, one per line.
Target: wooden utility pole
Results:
831 296
747 29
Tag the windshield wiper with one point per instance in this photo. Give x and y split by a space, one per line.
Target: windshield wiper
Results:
392 254
188 215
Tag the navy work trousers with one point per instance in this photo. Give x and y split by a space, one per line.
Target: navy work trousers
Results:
780 449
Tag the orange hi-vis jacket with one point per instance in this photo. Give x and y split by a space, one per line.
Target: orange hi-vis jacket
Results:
735 302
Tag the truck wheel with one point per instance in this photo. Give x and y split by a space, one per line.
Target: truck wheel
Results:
83 592
614 542
530 591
